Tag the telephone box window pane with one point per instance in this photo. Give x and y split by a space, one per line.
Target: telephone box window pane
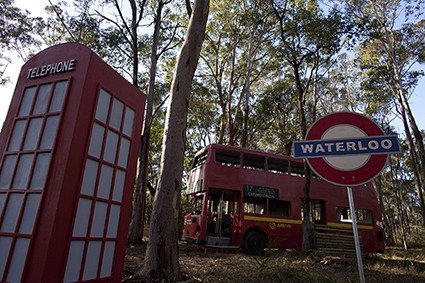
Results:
33 133
116 116
49 132
108 258
58 96
89 178
42 99
40 171
7 171
12 213
5 243
30 211
99 217
75 257
118 185
124 149
17 134
23 171
18 260
92 260
96 140
27 101
82 218
105 182
2 201
114 218
111 147
102 108
128 121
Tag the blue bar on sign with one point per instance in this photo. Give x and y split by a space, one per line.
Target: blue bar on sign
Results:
349 146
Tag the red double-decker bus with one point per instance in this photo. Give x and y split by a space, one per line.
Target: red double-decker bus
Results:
250 200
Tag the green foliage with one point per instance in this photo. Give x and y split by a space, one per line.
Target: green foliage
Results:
16 34
17 26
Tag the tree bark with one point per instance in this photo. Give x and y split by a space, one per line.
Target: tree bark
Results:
134 37
415 166
247 89
138 214
389 239
306 224
418 148
161 259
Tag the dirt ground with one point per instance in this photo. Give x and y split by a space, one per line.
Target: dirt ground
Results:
282 266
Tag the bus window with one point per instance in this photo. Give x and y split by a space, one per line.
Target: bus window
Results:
227 158
363 215
199 159
316 210
196 204
254 205
277 166
297 168
253 162
343 214
279 207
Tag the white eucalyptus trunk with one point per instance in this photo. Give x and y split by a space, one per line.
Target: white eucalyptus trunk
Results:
162 259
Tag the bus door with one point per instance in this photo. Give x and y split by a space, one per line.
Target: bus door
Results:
223 216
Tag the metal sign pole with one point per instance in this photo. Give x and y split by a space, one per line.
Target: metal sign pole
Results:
356 235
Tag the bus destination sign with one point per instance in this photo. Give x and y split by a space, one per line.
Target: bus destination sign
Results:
260 192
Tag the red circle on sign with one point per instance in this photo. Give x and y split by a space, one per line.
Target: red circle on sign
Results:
337 176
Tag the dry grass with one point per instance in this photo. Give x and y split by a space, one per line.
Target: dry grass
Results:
395 265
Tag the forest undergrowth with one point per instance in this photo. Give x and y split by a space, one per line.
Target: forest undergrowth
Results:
394 265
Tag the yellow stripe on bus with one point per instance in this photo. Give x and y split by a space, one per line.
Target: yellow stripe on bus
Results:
293 221
269 219
343 225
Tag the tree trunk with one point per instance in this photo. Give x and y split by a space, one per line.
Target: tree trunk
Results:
401 97
402 220
247 89
416 168
138 214
134 42
229 123
389 239
161 260
395 186
307 225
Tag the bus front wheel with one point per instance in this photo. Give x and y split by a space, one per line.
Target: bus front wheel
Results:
254 243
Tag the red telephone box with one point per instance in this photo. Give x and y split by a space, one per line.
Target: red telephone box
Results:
68 150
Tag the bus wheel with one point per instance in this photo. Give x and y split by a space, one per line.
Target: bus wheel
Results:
254 243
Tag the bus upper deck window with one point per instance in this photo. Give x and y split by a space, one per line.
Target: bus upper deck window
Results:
199 159
277 166
297 168
227 158
253 162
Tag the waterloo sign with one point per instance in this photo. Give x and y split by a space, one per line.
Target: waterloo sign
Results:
346 148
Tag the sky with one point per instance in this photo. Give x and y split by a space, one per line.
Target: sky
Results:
36 8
